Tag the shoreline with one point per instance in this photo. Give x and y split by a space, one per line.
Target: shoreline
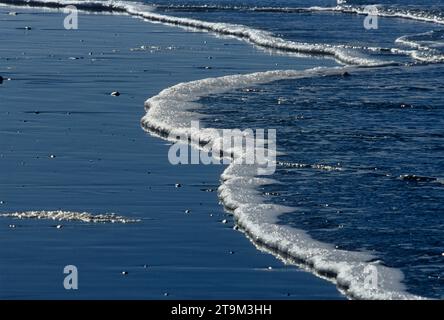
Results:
96 181
241 190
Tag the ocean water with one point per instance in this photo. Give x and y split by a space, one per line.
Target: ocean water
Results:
363 156
362 165
359 181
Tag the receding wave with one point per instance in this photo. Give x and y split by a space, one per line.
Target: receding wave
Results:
424 15
169 114
210 8
428 45
347 54
432 16
257 37
60 215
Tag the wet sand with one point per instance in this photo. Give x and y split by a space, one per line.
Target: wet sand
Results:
67 144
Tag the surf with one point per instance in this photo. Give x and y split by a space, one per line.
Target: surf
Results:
257 37
169 114
343 53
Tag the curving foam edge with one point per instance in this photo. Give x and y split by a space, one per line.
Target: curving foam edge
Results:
169 114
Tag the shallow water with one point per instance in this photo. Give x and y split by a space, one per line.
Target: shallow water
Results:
363 159
67 144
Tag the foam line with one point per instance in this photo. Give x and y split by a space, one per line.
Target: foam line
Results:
343 53
422 52
257 37
122 6
169 115
60 215
409 14
419 15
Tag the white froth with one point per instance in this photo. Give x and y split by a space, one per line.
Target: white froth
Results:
60 215
386 12
258 37
346 54
341 6
425 51
169 112
350 270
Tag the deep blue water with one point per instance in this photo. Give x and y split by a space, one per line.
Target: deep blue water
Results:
381 130
372 131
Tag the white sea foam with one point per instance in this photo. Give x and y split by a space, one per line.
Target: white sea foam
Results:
424 16
418 15
310 166
257 37
142 9
422 53
390 12
170 112
407 41
346 54
427 57
425 49
60 215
